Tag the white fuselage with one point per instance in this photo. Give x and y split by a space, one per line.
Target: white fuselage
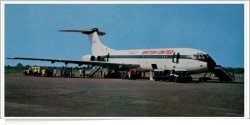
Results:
165 59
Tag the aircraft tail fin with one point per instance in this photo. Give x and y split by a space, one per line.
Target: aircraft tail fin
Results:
98 48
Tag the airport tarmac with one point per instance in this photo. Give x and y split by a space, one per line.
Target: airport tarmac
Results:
85 97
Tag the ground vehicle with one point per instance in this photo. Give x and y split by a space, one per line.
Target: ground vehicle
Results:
163 75
178 75
38 71
183 76
35 70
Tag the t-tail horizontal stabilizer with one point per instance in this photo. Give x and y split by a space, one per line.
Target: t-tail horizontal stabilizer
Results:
86 31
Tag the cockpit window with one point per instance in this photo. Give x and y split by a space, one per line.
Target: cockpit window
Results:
205 56
201 56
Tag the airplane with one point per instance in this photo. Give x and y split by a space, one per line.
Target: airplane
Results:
189 59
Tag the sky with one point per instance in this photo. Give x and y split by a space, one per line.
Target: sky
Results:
31 30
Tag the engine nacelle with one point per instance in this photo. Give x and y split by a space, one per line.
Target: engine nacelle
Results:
99 58
92 58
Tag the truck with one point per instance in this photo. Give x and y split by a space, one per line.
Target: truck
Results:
164 75
177 75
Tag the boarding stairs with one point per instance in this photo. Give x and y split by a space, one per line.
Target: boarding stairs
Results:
94 70
222 74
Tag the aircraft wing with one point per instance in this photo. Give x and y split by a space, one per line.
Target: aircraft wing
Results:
79 62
